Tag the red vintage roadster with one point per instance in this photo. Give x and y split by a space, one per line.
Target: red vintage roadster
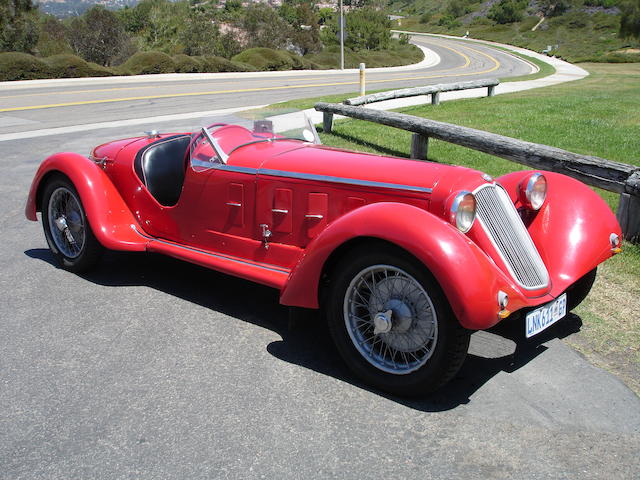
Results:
405 257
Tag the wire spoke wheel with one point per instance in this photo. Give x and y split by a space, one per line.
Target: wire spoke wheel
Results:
67 222
391 322
390 319
66 226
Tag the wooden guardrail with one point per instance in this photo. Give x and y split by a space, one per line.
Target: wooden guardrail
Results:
598 172
433 90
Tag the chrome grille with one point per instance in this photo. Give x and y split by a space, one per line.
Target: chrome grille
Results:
502 223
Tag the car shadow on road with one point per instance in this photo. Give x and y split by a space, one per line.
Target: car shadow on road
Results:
305 340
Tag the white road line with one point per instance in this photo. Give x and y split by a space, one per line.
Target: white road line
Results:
121 123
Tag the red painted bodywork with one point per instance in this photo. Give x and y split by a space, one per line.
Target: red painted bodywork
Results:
316 199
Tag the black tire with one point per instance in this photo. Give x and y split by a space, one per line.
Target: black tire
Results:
435 360
577 292
81 254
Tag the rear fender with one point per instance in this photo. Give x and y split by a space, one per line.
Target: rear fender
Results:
111 220
572 229
467 276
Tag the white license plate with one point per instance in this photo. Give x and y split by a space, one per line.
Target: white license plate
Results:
543 317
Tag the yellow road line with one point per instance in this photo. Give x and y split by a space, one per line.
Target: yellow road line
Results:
260 89
114 89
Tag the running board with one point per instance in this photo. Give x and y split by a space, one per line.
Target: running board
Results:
269 275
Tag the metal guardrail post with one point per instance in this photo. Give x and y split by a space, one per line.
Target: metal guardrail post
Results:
435 98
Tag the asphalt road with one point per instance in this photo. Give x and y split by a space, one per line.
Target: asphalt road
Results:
152 368
78 102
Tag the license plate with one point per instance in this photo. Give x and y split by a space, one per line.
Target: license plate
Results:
543 317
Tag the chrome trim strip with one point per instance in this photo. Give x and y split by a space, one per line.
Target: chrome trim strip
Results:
211 254
342 180
310 176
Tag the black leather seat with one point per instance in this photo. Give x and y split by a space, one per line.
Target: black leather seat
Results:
161 167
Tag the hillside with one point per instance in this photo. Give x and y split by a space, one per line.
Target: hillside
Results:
576 30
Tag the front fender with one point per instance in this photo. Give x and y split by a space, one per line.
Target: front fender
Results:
572 229
469 279
111 220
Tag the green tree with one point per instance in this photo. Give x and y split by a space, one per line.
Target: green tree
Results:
201 36
98 36
18 26
157 24
630 21
325 15
53 37
368 29
305 34
264 27
134 20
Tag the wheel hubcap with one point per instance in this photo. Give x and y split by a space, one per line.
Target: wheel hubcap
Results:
65 213
390 319
382 322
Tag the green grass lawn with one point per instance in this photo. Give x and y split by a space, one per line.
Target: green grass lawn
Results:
599 115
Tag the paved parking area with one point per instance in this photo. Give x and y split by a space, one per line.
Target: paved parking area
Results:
152 368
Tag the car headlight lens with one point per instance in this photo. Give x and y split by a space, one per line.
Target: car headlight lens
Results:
463 211
533 191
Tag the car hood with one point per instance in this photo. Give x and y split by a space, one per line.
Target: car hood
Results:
330 162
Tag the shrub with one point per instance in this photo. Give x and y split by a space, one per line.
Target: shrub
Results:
211 63
602 3
630 21
186 64
449 22
457 8
22 66
426 17
268 59
96 70
148 62
507 11
66 66
612 57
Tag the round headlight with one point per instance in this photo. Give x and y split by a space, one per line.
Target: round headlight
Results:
533 191
463 211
